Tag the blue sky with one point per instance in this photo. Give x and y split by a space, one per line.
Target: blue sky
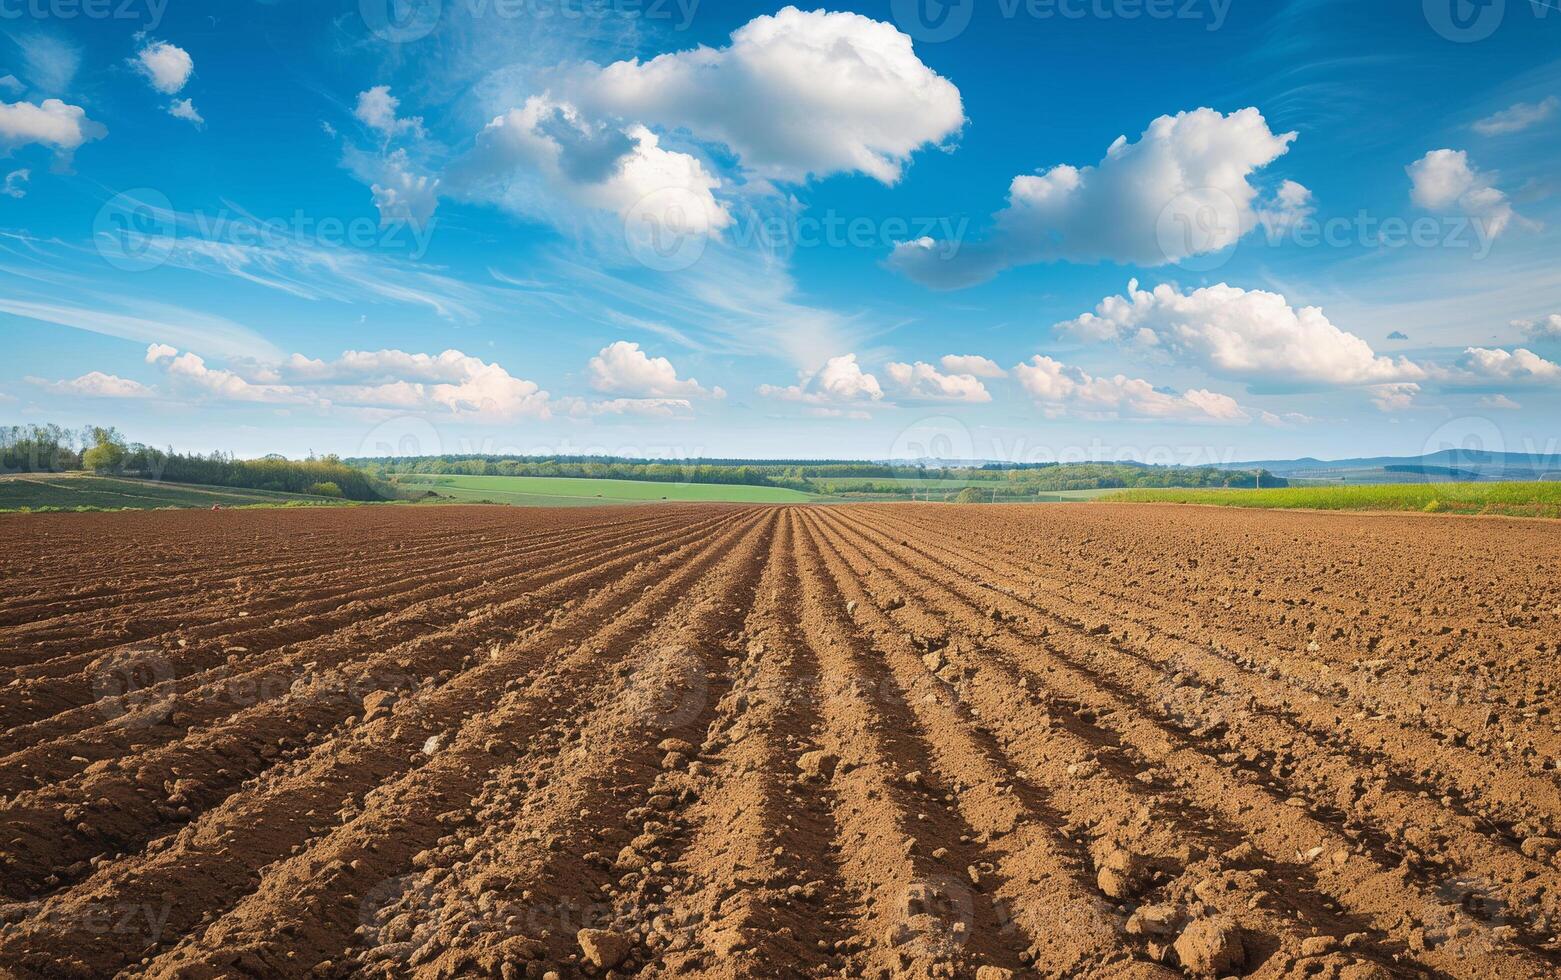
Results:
1178 231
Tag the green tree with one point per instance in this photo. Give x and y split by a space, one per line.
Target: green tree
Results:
971 495
326 489
107 453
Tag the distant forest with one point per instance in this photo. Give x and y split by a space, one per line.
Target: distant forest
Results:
829 476
53 449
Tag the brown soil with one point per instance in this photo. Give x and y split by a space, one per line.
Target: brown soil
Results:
1094 741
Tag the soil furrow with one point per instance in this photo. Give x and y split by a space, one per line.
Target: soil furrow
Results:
1180 862
290 923
1385 896
144 709
168 576
133 799
752 879
1061 927
560 843
886 741
222 853
261 615
1304 748
1375 661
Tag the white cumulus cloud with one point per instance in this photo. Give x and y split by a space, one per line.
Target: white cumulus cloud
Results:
795 94
1517 366
1445 181
190 372
592 164
377 110
1395 397
165 66
51 123
1291 204
972 364
185 109
659 408
453 382
622 368
841 381
1285 420
1183 189
1062 389
1542 329
923 381
1247 335
96 384
402 193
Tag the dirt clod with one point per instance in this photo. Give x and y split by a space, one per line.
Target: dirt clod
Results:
603 947
818 764
1121 874
1211 947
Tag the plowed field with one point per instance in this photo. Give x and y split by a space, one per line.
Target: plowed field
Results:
1094 741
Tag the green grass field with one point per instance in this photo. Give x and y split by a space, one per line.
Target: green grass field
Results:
49 492
1071 496
546 491
917 488
1513 499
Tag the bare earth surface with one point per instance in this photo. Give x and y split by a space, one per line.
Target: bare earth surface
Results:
1095 741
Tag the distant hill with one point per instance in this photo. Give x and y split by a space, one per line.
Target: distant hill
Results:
1440 466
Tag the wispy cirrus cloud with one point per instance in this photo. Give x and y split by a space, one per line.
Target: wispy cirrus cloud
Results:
144 322
1518 117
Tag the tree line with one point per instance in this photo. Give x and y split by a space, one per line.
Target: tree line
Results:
105 451
828 476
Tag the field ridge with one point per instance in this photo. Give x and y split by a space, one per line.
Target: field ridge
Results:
728 740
